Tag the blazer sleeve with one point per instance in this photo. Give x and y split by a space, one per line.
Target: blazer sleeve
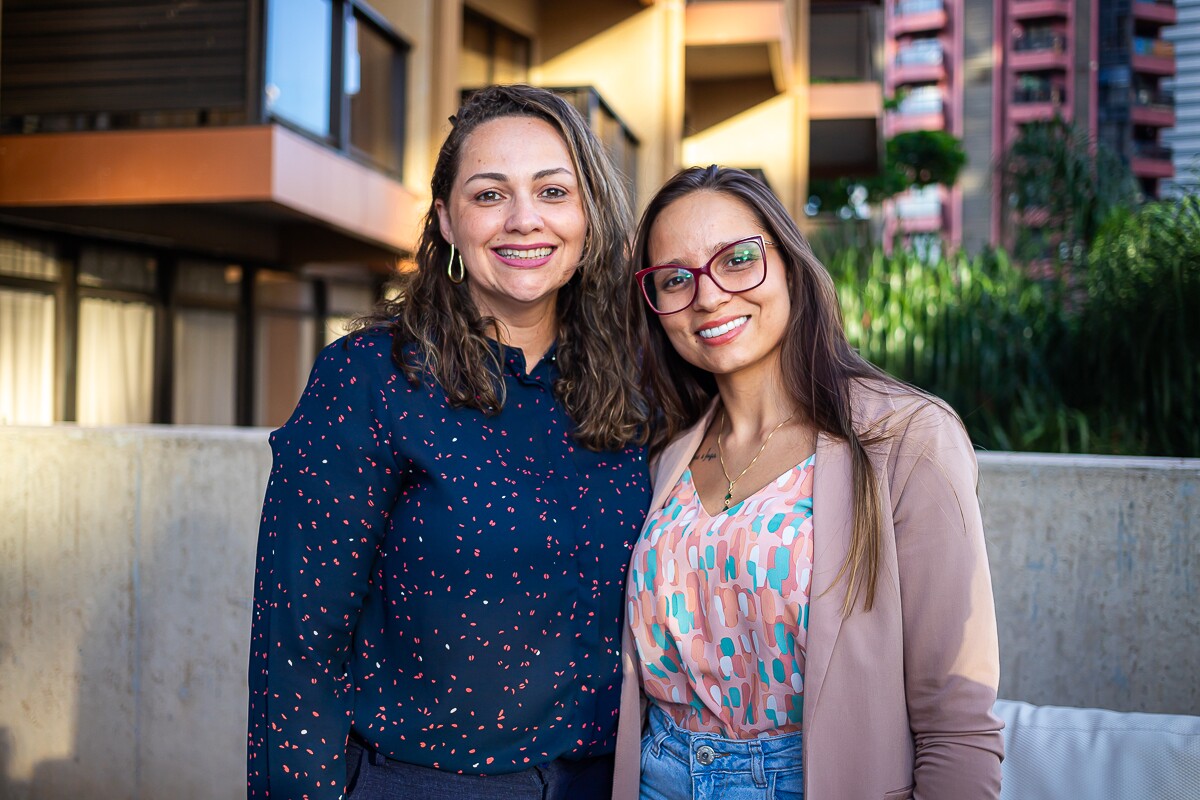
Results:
333 483
951 655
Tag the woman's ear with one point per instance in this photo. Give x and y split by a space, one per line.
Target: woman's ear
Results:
444 221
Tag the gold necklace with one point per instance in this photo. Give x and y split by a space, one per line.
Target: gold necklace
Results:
742 474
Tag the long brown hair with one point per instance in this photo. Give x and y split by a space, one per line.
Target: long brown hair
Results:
598 384
819 365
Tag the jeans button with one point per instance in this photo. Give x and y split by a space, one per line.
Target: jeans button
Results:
705 754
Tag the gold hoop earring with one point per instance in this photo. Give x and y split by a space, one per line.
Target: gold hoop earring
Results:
462 270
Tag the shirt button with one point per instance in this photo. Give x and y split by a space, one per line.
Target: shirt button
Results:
705 754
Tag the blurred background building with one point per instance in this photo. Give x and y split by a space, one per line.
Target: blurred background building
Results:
981 69
195 197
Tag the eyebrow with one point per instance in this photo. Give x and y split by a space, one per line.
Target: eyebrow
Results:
499 176
716 248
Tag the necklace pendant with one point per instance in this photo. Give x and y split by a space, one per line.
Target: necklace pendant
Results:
728 497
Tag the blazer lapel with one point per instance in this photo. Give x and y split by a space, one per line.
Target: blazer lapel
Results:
832 528
675 458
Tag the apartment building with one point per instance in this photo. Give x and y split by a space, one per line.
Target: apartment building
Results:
195 197
1184 89
981 69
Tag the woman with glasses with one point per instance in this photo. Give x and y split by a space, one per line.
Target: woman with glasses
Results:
449 517
809 609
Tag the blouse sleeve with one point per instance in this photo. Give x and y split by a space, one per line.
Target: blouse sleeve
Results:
951 656
333 483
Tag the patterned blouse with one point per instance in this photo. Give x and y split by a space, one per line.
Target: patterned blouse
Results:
445 584
718 606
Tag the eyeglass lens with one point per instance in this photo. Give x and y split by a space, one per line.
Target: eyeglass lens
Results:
737 268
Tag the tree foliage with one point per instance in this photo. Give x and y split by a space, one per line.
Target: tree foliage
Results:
1060 187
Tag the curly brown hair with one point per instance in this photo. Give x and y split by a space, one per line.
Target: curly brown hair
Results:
598 383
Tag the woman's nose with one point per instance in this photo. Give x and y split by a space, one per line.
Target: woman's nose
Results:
523 216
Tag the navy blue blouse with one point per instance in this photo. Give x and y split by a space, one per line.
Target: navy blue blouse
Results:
447 584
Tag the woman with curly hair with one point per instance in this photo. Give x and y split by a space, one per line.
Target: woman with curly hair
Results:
809 602
452 505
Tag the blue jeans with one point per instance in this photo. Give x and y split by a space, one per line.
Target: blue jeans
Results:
681 765
371 776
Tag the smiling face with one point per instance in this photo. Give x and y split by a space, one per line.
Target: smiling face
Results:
721 332
516 214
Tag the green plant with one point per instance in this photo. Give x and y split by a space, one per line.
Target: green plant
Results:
1060 187
1136 340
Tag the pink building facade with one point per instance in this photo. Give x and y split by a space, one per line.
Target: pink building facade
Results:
981 69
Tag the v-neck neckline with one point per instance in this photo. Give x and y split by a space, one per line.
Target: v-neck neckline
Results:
687 476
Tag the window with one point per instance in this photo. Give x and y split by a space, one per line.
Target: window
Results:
299 67
107 333
374 83
29 272
205 343
285 342
491 53
336 71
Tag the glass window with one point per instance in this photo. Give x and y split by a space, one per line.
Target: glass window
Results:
105 268
28 259
491 53
284 345
299 41
205 368
346 302
201 280
374 80
116 362
26 357
285 342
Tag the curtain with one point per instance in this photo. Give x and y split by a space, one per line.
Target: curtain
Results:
26 358
285 346
205 368
116 362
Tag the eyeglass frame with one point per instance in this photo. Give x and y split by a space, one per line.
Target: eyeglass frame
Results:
696 272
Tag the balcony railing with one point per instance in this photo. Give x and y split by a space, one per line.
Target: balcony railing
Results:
1152 150
920 104
920 55
1039 94
908 7
1039 41
918 207
1144 46
1154 98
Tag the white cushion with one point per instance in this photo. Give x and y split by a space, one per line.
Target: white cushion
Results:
1054 753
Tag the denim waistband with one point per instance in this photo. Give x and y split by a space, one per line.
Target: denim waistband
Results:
768 753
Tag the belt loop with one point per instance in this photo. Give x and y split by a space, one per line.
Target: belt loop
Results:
756 764
378 759
657 742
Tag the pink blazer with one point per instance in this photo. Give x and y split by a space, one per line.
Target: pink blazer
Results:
897 700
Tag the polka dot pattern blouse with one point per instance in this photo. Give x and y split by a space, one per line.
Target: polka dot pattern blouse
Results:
445 584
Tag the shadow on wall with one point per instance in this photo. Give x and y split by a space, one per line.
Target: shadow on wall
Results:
128 661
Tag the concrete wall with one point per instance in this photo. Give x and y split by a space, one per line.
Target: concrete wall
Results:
126 560
1096 571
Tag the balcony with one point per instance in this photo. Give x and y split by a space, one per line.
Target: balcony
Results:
1040 9
733 39
1151 160
1153 107
919 62
1040 50
1161 12
920 110
912 16
1152 56
1031 103
920 210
